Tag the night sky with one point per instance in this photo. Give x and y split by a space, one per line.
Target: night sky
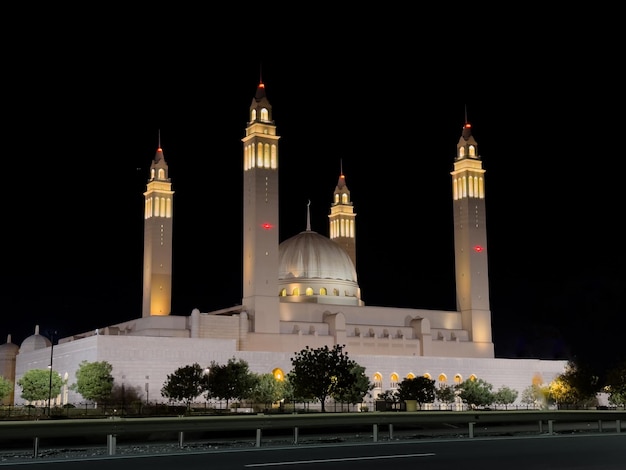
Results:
81 129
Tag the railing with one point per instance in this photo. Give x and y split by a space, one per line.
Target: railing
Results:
114 427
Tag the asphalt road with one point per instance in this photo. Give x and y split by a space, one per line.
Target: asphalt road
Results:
581 452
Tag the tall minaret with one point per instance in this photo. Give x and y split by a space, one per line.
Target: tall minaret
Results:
260 216
342 218
470 241
157 239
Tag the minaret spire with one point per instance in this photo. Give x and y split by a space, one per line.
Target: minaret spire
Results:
158 226
470 241
342 217
260 216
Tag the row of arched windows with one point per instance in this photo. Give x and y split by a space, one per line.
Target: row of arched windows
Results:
158 207
471 151
342 228
263 155
344 198
161 173
472 186
265 115
309 291
394 379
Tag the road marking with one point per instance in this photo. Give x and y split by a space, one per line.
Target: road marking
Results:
299 462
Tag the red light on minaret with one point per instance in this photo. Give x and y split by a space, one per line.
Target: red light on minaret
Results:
267 226
478 248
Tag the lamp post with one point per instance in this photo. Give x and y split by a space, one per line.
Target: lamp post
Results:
52 334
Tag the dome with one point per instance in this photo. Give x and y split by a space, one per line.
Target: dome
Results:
310 255
313 268
8 349
35 341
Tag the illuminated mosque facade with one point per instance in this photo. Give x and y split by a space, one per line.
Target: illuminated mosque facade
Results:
300 292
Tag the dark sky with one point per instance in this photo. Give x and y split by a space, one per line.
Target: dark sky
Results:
82 119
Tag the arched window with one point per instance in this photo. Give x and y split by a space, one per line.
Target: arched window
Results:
462 152
266 156
458 379
323 291
309 291
378 380
296 291
253 115
393 380
442 378
410 375
278 374
265 114
472 151
283 292
259 155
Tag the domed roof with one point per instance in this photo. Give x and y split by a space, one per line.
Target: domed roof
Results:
8 349
310 255
35 341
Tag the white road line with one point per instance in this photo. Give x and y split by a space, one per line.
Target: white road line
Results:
300 462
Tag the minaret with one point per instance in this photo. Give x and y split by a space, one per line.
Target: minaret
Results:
157 239
470 241
342 218
260 216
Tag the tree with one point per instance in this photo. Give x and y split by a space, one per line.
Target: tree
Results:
445 393
616 384
126 397
361 386
230 381
536 395
185 384
35 384
5 388
476 392
390 397
420 389
577 386
94 380
267 390
505 396
321 373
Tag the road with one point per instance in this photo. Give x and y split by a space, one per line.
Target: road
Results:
580 452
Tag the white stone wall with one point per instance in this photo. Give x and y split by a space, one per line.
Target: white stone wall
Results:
136 357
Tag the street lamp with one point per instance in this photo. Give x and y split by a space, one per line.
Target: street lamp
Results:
52 334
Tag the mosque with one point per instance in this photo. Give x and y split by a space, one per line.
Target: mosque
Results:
300 292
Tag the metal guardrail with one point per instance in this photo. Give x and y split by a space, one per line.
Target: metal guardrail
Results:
113 427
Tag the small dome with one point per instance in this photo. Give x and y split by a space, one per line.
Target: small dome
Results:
34 342
8 349
310 255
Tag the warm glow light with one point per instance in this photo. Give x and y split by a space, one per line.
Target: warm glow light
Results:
478 248
468 125
267 226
